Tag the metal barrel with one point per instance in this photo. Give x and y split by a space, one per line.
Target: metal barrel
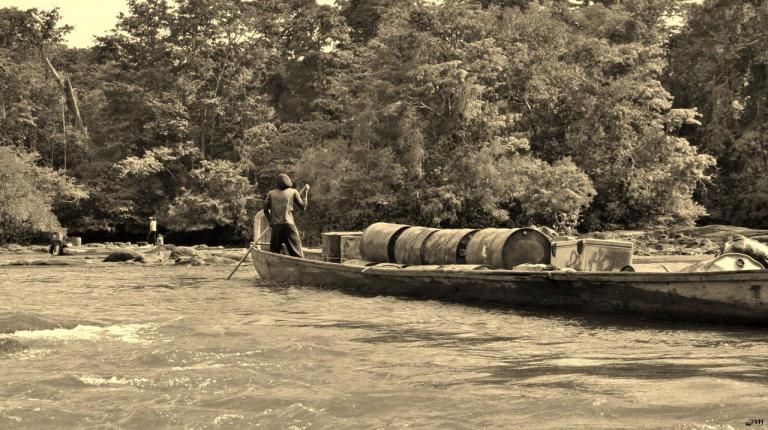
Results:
507 248
477 247
378 242
410 243
447 246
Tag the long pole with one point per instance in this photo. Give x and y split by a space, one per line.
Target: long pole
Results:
255 242
64 132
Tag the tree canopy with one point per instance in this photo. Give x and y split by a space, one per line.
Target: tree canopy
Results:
578 115
719 64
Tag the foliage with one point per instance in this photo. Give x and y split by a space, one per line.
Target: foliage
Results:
29 193
475 101
32 108
183 190
587 87
353 186
217 196
454 113
719 64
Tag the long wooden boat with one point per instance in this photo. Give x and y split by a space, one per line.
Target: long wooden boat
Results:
727 297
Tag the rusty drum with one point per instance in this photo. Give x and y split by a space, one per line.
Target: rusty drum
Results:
447 246
477 247
408 248
507 248
378 242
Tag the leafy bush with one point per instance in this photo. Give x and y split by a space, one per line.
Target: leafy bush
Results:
28 194
185 191
217 196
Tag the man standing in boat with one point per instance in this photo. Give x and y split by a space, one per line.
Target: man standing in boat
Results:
278 208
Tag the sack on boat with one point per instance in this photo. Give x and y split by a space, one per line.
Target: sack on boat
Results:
534 268
729 262
744 245
548 231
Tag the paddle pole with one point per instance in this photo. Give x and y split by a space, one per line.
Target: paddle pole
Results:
255 242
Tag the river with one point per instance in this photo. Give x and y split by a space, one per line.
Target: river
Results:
133 346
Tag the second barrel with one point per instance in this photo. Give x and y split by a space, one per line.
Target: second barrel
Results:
508 247
378 242
408 249
447 246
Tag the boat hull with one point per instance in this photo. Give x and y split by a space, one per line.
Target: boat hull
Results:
711 297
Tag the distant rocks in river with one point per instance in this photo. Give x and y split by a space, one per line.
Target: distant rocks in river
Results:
220 260
190 261
119 256
47 262
10 346
20 249
179 255
121 252
183 252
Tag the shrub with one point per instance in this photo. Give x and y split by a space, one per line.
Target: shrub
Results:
28 194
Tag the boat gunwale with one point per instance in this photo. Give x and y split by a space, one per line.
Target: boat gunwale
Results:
511 275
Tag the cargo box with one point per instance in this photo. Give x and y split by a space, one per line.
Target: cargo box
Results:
592 255
332 244
350 247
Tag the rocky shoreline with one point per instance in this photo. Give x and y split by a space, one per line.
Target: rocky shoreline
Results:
707 240
675 241
120 252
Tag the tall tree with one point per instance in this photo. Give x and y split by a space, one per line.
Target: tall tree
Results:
455 98
718 63
31 32
29 194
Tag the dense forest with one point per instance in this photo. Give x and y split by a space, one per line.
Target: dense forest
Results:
580 115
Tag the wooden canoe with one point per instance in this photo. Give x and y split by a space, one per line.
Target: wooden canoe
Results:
732 297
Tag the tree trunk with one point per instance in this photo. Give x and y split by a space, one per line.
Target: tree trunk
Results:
202 130
74 110
64 133
69 94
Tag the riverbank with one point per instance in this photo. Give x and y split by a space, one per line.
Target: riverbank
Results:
683 240
120 252
674 241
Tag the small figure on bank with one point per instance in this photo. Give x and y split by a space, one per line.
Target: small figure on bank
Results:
278 208
152 236
58 243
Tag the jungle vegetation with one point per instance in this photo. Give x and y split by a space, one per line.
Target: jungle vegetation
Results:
580 115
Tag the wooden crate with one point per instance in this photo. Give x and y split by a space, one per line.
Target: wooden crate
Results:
332 244
592 255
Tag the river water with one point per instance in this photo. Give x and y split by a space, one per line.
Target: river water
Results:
131 346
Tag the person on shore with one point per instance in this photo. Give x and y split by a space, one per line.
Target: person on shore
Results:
152 236
278 208
58 243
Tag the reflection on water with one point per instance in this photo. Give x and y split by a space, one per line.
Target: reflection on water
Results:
131 346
